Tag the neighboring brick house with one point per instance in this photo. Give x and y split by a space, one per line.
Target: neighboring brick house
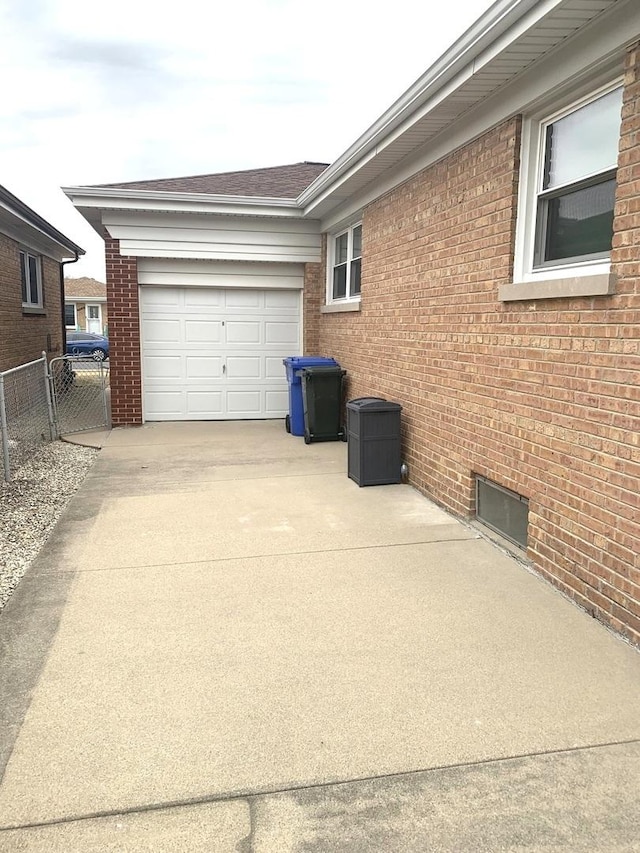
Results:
85 305
32 253
475 256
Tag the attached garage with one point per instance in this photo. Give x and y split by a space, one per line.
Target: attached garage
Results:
211 353
206 277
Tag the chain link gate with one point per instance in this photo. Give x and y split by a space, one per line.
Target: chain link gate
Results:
79 393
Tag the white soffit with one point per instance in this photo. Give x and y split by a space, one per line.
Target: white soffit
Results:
541 29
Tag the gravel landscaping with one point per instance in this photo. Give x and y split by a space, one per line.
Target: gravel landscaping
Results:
32 502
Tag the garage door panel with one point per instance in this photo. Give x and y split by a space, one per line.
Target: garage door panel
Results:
203 331
244 403
244 367
163 298
282 300
243 332
203 367
281 333
205 403
217 354
203 297
162 367
162 331
273 367
276 402
243 299
164 405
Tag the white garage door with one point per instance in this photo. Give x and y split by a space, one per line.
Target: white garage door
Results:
215 354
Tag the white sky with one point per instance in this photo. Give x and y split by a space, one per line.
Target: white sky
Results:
129 90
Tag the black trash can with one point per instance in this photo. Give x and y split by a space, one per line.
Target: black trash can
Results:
322 402
373 436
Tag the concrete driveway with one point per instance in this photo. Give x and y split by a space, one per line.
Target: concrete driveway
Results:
228 646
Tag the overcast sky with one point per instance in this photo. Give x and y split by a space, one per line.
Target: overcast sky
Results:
97 93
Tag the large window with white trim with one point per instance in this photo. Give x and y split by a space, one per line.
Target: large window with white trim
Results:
31 277
567 188
346 263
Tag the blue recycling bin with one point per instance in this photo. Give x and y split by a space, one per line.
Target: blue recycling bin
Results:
295 364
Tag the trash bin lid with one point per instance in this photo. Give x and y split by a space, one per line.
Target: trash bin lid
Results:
373 404
298 362
325 370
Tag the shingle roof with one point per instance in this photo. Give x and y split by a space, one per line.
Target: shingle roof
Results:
272 182
79 288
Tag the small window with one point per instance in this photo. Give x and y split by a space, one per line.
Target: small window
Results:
31 278
70 315
502 510
346 264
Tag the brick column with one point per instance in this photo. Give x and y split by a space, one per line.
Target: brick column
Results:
312 299
124 336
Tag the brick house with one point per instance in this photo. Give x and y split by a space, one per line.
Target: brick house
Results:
32 254
474 256
85 305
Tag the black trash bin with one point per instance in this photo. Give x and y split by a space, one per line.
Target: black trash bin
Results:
322 402
373 436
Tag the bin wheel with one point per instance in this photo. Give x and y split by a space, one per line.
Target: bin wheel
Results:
307 436
287 423
343 435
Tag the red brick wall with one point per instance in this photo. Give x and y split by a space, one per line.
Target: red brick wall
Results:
24 337
124 336
542 397
313 298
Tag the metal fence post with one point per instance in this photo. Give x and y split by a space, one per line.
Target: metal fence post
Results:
4 430
104 394
47 388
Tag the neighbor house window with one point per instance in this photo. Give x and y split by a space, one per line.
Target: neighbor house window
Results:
70 315
346 263
31 276
577 182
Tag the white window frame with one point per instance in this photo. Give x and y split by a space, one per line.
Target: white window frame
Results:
531 169
331 264
24 256
75 316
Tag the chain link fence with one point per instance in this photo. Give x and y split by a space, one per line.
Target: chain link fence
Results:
40 402
26 413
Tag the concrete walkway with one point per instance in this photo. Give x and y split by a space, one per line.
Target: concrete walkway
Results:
227 645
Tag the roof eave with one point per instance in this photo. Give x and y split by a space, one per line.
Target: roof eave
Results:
28 216
501 17
110 196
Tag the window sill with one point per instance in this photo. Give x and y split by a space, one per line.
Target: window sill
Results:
34 310
340 307
585 285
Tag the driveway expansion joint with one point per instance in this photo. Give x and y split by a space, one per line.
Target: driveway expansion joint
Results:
354 548
252 796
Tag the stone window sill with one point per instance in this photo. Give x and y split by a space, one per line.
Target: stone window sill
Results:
586 285
340 307
37 312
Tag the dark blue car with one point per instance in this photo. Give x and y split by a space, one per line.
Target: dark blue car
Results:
87 343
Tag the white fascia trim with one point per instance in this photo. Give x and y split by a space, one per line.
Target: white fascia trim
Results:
502 24
20 229
153 200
